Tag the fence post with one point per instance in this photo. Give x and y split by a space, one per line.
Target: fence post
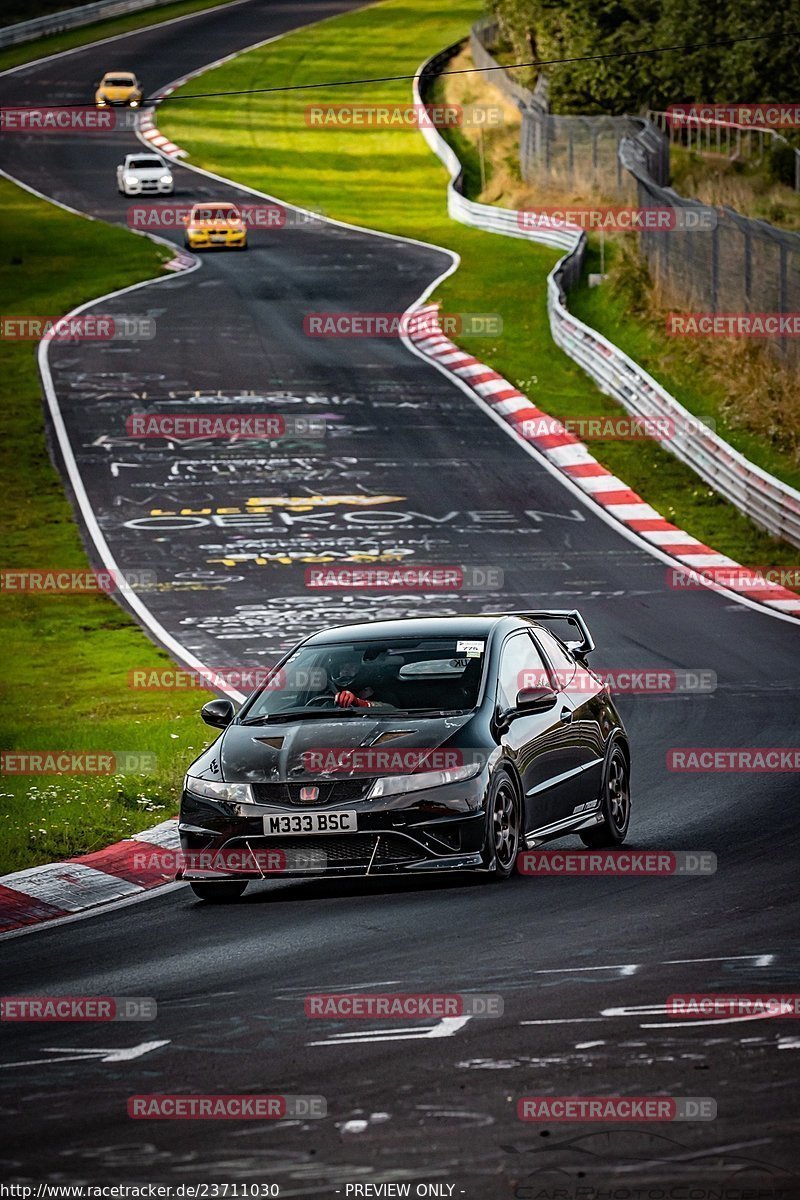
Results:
748 270
782 292
714 267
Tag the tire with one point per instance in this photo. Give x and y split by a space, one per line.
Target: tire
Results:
503 827
615 805
224 892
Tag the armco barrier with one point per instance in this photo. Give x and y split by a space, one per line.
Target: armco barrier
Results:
770 503
72 18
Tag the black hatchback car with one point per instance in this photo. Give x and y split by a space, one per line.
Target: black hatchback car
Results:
409 746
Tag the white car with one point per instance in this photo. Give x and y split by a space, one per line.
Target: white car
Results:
144 174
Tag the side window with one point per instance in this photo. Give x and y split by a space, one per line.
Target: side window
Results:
560 659
521 666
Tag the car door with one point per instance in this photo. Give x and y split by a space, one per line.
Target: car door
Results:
580 692
543 746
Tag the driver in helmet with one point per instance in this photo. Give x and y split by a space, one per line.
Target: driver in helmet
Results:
351 689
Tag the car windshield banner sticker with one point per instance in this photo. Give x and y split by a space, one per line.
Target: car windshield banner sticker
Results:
472 649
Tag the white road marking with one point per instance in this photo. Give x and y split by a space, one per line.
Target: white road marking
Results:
74 1054
564 1021
759 960
447 1027
623 968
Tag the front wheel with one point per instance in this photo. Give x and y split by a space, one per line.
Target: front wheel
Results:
503 824
615 805
224 892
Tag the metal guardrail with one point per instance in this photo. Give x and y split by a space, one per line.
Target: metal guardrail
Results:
749 142
72 18
770 503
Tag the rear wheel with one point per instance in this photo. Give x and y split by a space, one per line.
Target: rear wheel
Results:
615 805
224 892
503 824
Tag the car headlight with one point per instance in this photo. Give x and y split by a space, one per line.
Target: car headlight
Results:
100 98
166 179
131 179
396 785
134 103
233 793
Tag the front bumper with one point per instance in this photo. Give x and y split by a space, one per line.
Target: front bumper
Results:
148 189
414 834
205 241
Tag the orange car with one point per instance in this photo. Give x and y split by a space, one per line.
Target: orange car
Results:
215 223
118 88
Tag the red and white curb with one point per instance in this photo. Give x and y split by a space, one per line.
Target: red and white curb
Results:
574 459
147 129
62 889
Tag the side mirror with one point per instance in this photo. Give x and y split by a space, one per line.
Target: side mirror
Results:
536 699
218 713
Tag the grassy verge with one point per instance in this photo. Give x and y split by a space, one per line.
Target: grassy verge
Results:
742 184
388 179
65 675
13 56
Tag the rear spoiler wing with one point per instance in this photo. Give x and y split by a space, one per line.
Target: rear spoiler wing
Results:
582 647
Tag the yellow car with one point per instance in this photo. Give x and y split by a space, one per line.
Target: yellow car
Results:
118 88
215 223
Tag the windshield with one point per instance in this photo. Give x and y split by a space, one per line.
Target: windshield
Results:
226 215
149 164
402 675
119 81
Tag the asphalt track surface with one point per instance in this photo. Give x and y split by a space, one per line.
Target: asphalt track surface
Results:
575 960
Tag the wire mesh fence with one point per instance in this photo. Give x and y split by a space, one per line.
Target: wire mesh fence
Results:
738 265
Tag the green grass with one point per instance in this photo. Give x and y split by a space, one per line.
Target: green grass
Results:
389 180
67 658
13 56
